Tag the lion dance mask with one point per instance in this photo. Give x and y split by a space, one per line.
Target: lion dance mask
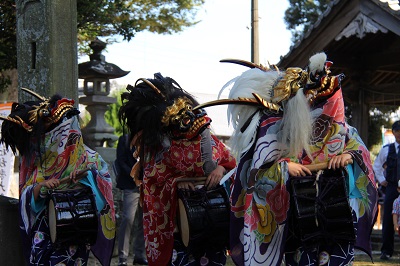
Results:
296 115
47 135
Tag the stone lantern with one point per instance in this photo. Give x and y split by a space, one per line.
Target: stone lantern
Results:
97 74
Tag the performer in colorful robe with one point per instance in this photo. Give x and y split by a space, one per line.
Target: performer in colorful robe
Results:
47 135
285 123
173 142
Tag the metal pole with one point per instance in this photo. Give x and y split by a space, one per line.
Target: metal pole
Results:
254 33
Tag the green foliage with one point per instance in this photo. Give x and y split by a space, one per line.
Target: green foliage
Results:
299 18
302 14
84 117
5 81
8 41
379 117
111 115
106 18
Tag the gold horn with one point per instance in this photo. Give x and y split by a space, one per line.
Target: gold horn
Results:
152 86
34 94
18 121
245 63
266 104
258 101
247 101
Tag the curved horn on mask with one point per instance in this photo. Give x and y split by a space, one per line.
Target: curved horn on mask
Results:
246 101
258 101
151 86
18 121
34 94
245 63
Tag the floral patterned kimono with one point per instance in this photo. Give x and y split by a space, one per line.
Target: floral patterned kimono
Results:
179 158
261 202
63 151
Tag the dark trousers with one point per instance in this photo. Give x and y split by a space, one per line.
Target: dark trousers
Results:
387 225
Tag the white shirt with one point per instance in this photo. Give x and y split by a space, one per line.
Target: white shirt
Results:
380 160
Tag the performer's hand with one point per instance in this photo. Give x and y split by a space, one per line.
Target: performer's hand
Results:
339 161
50 183
296 169
74 176
384 183
186 185
215 176
138 182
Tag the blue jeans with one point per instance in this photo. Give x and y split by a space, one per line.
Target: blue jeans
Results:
131 210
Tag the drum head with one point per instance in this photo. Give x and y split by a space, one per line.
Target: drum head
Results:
52 221
184 223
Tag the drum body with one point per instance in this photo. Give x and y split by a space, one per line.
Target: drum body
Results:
321 210
204 218
73 217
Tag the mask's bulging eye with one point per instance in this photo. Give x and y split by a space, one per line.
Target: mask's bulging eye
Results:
44 113
175 120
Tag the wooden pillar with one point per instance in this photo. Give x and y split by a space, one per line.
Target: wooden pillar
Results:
255 58
360 116
47 64
47 47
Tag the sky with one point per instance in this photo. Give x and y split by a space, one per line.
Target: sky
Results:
192 57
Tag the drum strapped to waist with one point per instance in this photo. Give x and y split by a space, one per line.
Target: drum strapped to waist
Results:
73 217
321 209
203 216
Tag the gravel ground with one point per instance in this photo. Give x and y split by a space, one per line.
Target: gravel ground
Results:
360 260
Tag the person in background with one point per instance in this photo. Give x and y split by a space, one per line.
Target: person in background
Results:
388 178
396 212
130 207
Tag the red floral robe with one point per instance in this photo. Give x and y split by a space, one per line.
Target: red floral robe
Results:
180 158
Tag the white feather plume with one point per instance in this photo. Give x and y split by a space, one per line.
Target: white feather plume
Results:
317 62
251 81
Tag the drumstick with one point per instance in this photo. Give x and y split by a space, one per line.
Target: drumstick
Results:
322 166
80 175
191 179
